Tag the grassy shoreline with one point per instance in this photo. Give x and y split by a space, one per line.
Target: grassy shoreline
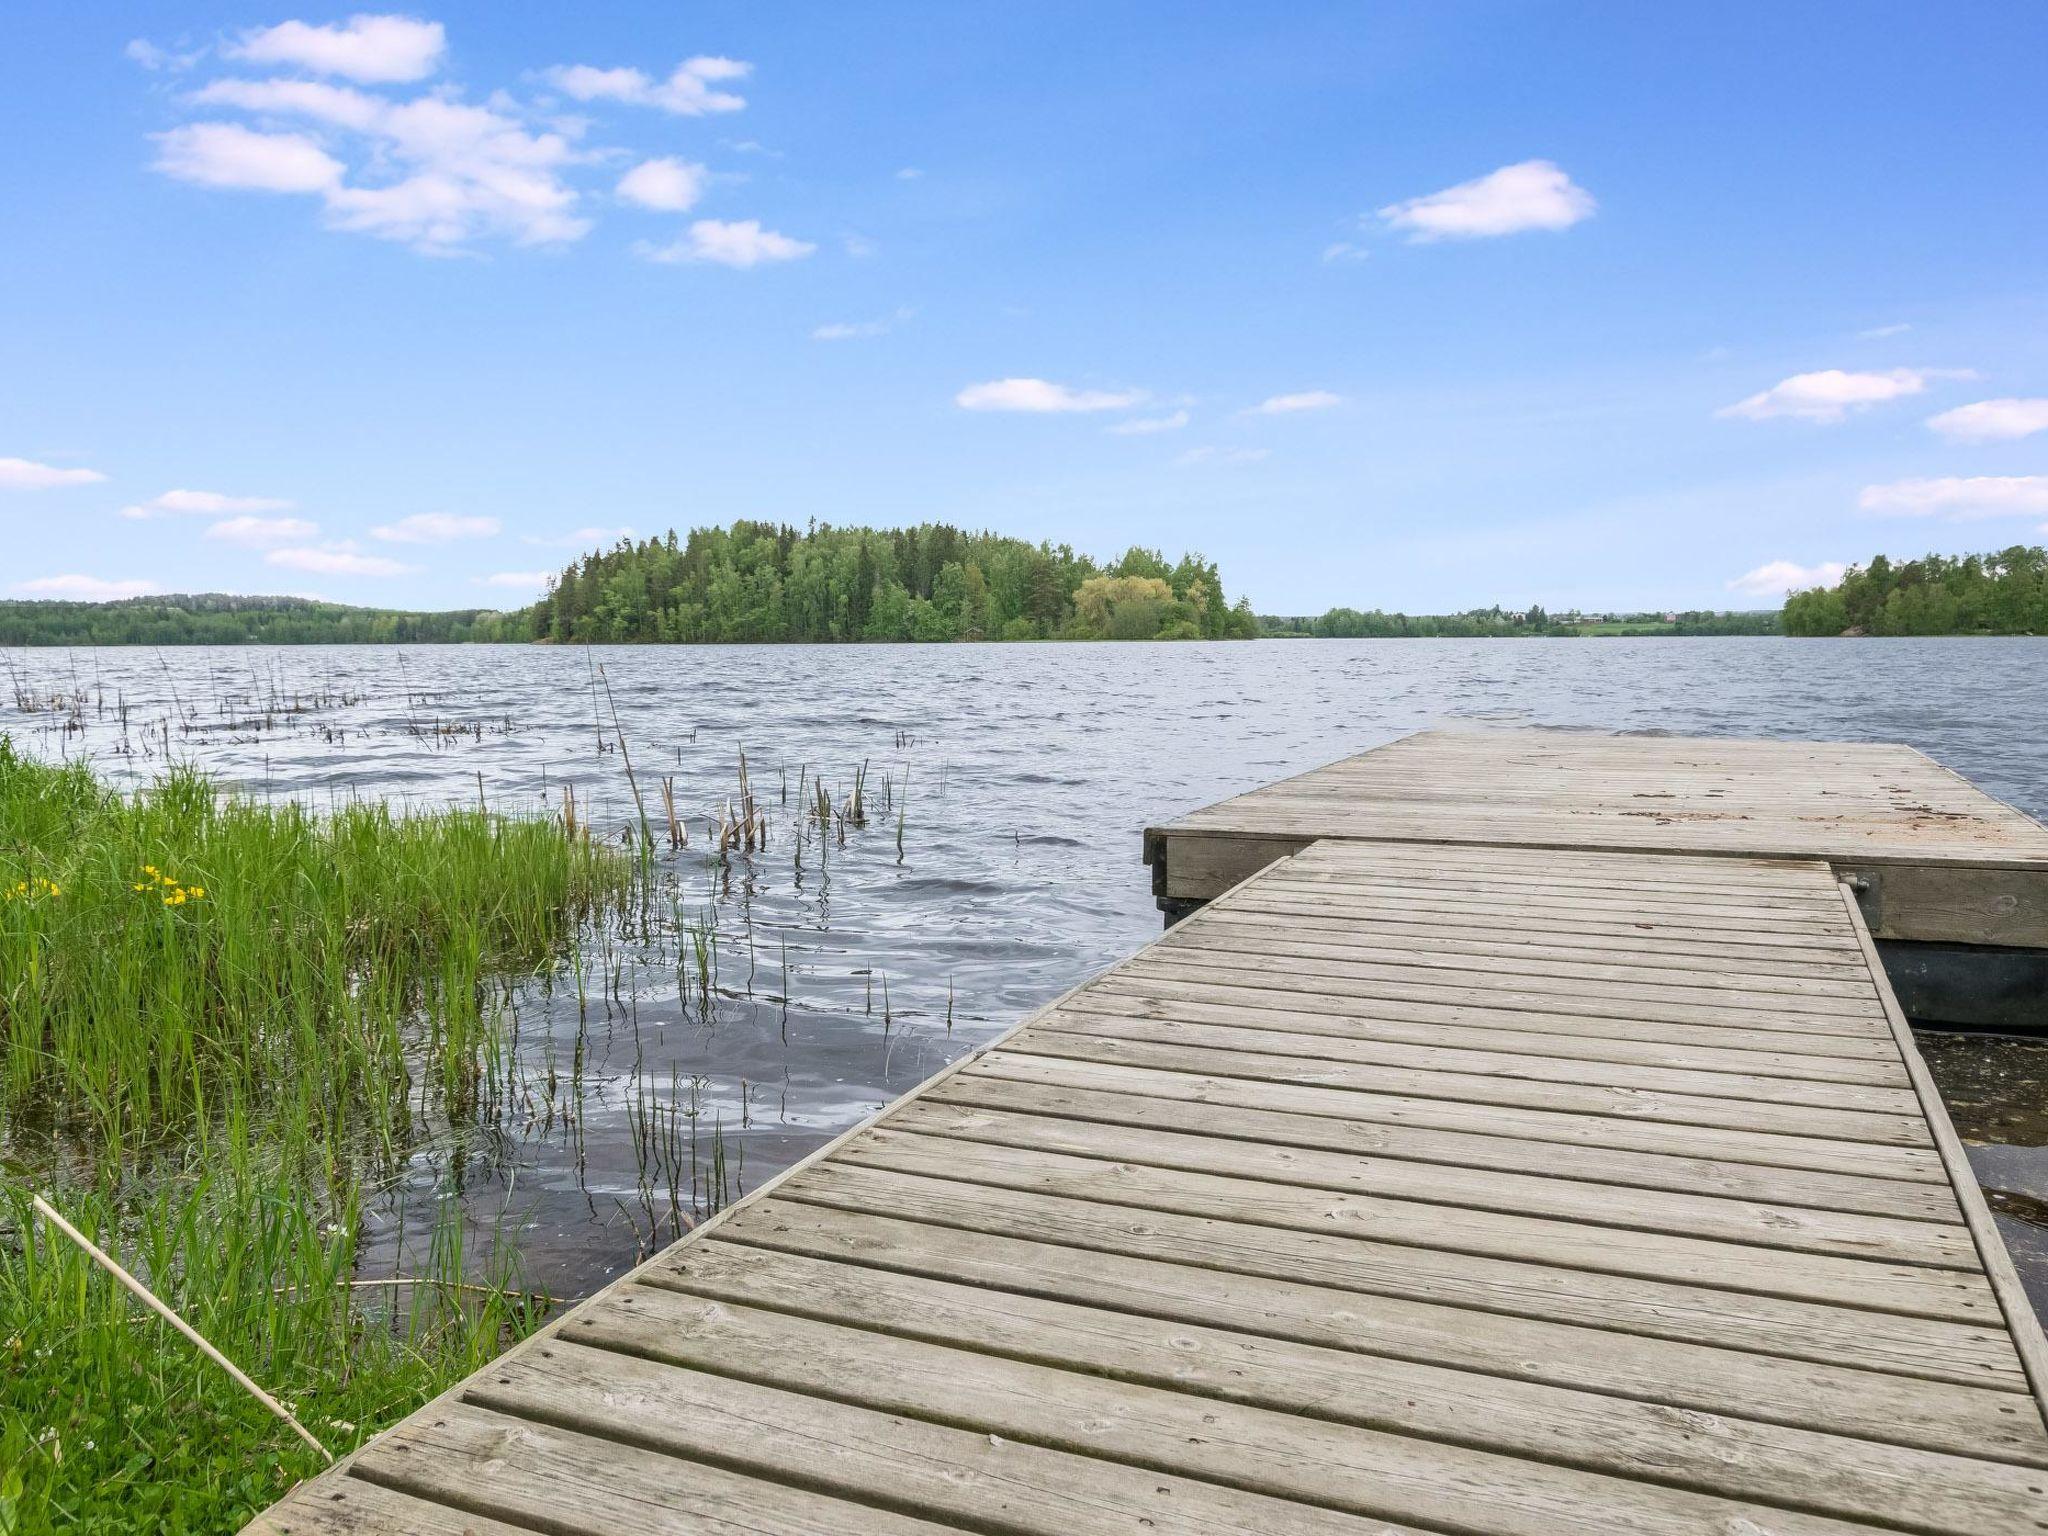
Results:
219 1021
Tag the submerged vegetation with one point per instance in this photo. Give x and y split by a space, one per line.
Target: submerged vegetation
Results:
1995 594
218 1021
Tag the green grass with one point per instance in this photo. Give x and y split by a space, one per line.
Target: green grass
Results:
210 1083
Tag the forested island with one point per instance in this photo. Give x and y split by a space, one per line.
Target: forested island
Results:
756 582
1996 594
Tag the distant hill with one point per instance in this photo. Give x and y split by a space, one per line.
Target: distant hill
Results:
219 618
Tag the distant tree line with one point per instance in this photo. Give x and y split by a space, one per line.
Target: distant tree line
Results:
767 582
218 619
1996 594
1497 622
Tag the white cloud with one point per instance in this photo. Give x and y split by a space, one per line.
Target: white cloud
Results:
580 538
1344 250
525 580
436 528
1829 395
687 92
1534 194
1880 332
1287 405
254 532
204 504
1959 498
337 560
91 589
1782 576
741 244
1223 457
150 56
1992 421
857 245
910 173
374 49
28 475
1041 396
855 330
1144 426
434 172
229 155
667 185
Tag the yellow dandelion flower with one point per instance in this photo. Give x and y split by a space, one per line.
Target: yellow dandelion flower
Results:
197 892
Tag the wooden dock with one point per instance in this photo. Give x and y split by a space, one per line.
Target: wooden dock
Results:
1931 856
1409 1186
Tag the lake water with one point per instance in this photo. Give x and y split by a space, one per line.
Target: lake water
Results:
1023 775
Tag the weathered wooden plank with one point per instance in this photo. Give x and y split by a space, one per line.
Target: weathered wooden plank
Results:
1729 1051
1312 1094
1760 1115
1865 1045
1988 1421
351 1507
937 1471
1117 1096
1362 1471
1729 1454
1765 1224
1727 1081
553 1480
1411 986
1948 1294
1346 939
1967 1353
1704 992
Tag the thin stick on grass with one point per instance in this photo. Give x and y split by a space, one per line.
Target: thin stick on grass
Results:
143 1294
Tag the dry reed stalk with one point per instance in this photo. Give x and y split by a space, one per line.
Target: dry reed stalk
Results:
142 1293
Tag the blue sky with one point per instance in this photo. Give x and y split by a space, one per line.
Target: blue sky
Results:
1421 306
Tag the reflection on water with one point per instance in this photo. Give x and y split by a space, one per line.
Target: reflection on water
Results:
1996 1090
842 972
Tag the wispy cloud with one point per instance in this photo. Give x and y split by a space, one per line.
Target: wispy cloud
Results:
255 532
667 185
525 581
342 559
910 173
432 171
203 504
855 330
1223 458
1534 194
1345 250
379 50
1041 397
579 538
1144 426
689 91
1992 421
1880 332
1288 405
1828 396
1782 576
89 589
729 244
436 528
1959 498
28 475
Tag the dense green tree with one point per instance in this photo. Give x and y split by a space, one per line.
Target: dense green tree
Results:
761 581
2005 593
